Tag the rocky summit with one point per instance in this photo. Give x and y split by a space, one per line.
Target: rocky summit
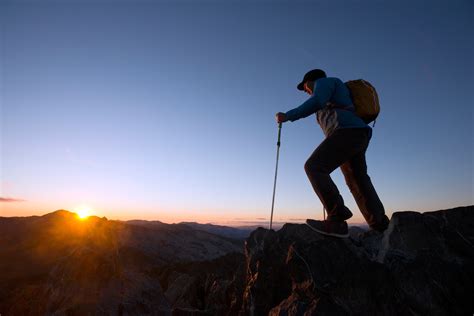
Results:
423 264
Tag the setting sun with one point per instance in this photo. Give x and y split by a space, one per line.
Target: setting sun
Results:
83 213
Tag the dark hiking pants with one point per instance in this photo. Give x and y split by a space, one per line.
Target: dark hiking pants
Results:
345 148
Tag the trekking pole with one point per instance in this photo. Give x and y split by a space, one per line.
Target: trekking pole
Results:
276 171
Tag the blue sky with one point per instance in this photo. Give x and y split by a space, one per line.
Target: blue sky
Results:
165 110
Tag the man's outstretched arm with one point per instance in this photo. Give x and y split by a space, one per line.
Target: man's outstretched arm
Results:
323 90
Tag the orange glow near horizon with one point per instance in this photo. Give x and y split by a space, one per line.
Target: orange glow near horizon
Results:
83 213
169 215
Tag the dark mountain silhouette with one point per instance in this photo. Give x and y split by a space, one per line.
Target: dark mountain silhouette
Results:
241 232
231 232
57 263
423 264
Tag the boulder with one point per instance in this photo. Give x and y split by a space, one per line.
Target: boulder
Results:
421 265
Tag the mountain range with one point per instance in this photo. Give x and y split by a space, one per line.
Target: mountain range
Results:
57 264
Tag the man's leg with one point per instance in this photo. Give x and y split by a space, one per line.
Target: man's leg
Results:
358 181
336 149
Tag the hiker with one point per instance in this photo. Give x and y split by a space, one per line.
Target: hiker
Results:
347 139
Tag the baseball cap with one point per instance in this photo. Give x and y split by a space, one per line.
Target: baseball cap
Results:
311 75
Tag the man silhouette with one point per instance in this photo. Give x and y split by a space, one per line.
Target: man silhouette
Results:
347 139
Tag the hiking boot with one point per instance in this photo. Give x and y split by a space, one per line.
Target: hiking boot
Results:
329 228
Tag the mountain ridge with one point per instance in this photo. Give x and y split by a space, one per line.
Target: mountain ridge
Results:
57 264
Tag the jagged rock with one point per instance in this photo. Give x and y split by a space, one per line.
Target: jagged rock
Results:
421 265
432 257
214 287
182 291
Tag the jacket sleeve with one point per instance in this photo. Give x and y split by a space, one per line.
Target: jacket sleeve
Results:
323 91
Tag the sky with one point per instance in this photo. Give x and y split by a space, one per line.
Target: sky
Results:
164 110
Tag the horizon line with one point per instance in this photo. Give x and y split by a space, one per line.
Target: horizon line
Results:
228 223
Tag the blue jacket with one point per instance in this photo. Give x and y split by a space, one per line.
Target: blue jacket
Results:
327 91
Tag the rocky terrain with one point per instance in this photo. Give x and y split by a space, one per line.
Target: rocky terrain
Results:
423 264
58 264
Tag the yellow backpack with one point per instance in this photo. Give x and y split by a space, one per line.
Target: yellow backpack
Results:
365 99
